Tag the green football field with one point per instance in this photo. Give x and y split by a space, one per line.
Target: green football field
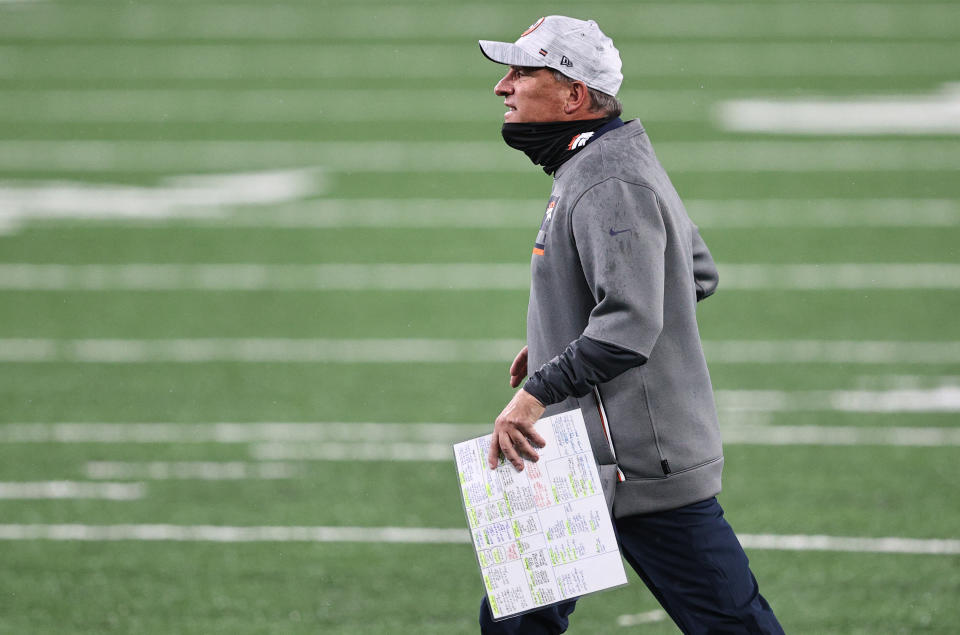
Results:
262 264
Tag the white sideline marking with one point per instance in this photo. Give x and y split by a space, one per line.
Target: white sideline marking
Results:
332 441
649 617
71 490
383 351
176 196
442 277
125 156
940 399
427 535
493 213
192 470
892 114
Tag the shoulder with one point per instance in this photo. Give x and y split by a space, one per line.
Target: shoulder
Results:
619 155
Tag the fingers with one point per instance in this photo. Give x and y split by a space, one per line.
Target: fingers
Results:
518 369
515 448
493 455
525 448
518 361
514 431
509 453
538 440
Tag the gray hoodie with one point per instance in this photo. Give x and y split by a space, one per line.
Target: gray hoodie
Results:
617 259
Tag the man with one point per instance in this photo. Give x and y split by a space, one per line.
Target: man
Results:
617 270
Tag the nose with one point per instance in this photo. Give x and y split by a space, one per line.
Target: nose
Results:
505 86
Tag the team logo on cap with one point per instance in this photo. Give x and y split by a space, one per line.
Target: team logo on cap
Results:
533 27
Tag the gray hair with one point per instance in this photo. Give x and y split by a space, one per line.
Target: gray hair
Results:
599 102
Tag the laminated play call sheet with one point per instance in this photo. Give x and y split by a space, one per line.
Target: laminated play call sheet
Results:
542 535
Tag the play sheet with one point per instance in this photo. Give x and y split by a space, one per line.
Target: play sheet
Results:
542 535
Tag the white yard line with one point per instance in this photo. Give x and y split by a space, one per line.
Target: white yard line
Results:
375 351
89 202
71 490
880 212
426 535
184 196
321 441
940 399
442 277
190 470
526 213
734 434
211 533
383 351
364 451
893 381
937 114
648 617
252 277
831 352
237 432
403 21
126 156
306 105
366 60
841 276
759 113
849 544
168 198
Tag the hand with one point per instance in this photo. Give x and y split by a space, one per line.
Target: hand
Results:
518 369
513 430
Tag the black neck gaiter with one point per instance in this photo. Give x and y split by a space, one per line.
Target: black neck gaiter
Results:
551 144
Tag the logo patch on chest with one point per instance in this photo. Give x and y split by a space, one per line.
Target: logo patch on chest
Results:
540 245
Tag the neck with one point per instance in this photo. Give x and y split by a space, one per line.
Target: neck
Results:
550 144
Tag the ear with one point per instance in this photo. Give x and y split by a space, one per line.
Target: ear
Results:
578 99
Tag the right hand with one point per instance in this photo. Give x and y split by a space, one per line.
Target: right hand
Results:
514 432
518 369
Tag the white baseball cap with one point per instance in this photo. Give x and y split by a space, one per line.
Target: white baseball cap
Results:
576 48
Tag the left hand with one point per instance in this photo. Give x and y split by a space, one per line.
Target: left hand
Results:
514 430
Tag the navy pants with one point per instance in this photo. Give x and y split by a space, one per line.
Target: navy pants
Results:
693 564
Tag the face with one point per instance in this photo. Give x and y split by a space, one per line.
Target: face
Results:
532 95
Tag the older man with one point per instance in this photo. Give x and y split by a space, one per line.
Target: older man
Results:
617 270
